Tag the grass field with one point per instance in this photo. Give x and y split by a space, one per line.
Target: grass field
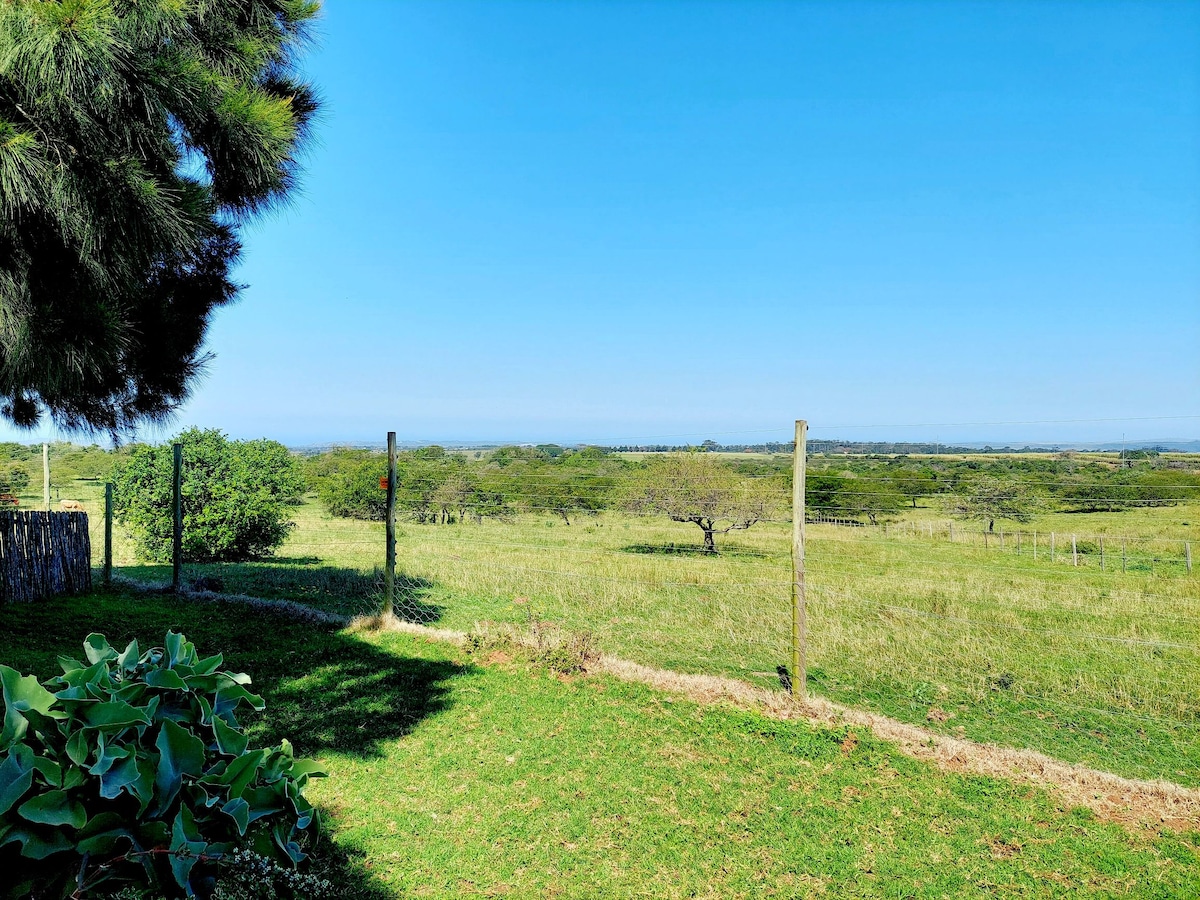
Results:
454 775
1099 667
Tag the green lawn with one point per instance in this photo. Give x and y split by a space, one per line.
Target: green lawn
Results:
459 776
1088 665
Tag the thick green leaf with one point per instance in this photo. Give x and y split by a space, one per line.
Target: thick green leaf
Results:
185 846
53 808
165 678
107 755
22 695
119 777
180 753
208 665
177 647
16 776
37 843
238 810
50 771
242 771
77 747
128 660
73 777
96 648
230 741
266 800
114 714
309 767
230 695
102 835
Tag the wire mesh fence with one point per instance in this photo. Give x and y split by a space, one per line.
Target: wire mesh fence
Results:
1081 642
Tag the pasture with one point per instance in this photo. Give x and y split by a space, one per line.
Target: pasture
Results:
459 774
1095 666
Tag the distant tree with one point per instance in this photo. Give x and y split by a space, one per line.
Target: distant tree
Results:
235 496
853 496
916 483
347 482
14 478
135 139
700 489
988 498
566 490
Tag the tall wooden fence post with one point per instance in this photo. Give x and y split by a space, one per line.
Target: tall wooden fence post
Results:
108 517
389 573
46 475
1187 555
1074 552
177 529
799 613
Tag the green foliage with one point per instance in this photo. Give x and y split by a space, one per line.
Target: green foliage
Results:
235 496
132 767
14 477
989 498
700 489
347 482
853 496
134 139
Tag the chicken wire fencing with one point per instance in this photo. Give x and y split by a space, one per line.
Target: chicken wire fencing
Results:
1073 638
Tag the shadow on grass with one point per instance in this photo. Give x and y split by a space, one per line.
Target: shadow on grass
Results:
673 549
326 690
336 589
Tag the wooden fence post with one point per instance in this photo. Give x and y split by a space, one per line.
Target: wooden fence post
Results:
1187 555
108 517
1074 553
389 572
799 612
177 530
46 475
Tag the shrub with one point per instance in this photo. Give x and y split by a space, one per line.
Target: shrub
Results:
132 769
235 497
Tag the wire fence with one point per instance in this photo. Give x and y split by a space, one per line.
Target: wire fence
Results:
1083 644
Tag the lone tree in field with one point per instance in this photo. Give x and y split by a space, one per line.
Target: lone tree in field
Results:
699 488
235 497
989 498
134 139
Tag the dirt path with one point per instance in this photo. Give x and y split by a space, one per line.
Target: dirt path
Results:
1134 804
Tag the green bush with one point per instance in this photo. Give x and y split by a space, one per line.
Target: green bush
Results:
235 497
347 482
131 769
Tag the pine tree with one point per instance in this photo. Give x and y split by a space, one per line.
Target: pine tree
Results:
136 136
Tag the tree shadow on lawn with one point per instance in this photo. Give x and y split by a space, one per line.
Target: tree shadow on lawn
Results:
674 549
337 589
325 690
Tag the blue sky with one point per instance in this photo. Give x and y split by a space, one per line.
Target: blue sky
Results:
615 221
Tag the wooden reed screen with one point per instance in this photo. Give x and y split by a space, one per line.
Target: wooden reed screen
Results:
43 554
